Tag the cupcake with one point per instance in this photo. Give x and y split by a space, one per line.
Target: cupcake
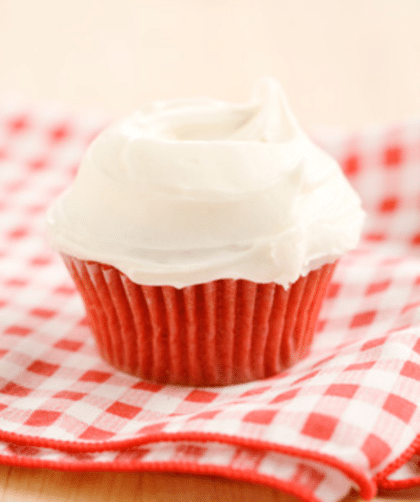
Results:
202 236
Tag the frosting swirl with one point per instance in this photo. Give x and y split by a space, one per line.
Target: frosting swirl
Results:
190 191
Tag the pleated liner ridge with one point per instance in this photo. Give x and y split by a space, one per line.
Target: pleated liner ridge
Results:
218 333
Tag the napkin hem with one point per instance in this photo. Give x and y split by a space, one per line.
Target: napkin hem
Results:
367 486
381 479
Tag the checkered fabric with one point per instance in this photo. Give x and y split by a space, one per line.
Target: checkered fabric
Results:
345 417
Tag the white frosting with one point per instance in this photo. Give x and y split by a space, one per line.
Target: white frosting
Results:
190 191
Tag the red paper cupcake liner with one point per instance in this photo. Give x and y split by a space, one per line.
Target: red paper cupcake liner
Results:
222 332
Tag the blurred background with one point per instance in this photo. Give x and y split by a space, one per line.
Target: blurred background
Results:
343 63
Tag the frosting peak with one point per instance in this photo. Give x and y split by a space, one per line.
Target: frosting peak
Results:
206 150
189 191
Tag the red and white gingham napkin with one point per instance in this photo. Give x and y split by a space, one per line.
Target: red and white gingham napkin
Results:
346 416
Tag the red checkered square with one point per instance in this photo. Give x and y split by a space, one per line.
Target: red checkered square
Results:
255 392
416 347
73 171
308 476
244 459
123 410
346 390
400 407
205 415
333 290
17 281
323 361
375 236
70 395
35 209
410 306
65 290
286 396
378 287
42 418
14 186
152 429
411 370
132 455
351 165
23 450
17 330
13 389
320 426
320 325
44 313
95 376
37 164
41 260
415 240
95 434
360 366
18 233
148 386
70 345
376 342
43 368
189 452
201 396
363 319
308 376
376 450
389 204
393 156
18 124
60 132
84 322
391 261
262 417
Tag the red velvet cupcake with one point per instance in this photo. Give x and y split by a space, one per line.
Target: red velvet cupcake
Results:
218 333
202 237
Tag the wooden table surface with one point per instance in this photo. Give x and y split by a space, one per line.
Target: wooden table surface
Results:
343 63
38 485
